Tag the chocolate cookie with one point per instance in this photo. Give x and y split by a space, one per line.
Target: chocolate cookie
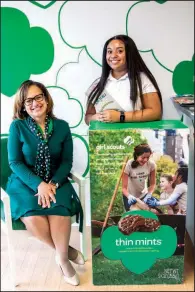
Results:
128 224
132 223
149 225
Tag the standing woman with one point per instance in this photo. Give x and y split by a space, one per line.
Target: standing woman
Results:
136 174
40 154
126 91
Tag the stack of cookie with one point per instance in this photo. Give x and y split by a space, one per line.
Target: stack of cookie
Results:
132 223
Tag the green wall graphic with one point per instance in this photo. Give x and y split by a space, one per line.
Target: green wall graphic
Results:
25 50
127 32
67 98
183 77
72 46
44 6
85 46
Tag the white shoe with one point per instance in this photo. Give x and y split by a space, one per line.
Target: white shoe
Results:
74 280
79 259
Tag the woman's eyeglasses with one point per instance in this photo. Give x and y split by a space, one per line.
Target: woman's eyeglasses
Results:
38 98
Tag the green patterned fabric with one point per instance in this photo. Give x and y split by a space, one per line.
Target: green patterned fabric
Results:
43 163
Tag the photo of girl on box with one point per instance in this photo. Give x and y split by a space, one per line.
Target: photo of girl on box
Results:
166 185
138 171
179 194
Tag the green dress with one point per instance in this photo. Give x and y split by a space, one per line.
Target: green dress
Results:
23 182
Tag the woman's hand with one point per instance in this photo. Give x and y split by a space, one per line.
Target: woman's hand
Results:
110 116
53 189
92 117
46 194
96 117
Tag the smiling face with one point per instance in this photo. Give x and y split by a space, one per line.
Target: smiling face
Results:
37 109
165 184
116 56
143 159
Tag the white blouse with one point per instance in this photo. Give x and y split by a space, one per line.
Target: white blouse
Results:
116 94
119 89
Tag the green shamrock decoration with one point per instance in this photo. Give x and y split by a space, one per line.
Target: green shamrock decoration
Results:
139 251
183 77
25 50
45 6
161 2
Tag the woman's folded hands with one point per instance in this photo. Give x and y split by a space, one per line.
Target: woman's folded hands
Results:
46 194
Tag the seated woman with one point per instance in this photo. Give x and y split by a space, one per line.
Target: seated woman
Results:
126 91
40 154
179 194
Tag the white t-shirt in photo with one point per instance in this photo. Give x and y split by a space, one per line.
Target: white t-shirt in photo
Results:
181 190
137 177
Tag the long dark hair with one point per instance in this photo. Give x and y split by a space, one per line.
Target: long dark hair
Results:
21 95
135 66
139 150
183 172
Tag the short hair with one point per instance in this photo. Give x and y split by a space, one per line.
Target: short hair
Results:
21 94
168 177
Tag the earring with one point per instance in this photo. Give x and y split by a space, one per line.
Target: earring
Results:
24 110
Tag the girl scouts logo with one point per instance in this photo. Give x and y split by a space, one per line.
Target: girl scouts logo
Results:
128 140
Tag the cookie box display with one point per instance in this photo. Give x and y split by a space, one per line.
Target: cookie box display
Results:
138 186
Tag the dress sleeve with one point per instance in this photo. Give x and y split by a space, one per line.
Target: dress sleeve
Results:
16 159
64 169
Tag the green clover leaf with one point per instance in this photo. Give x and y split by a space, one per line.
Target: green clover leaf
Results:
25 50
139 251
161 2
44 4
183 77
158 1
